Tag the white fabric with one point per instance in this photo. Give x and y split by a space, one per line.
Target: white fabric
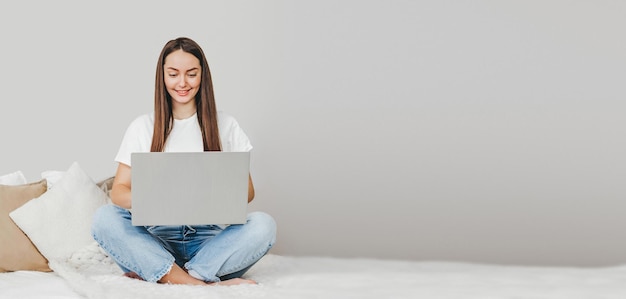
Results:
91 274
59 221
52 177
13 179
184 137
34 285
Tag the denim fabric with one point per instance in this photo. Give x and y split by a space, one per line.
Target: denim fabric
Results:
208 252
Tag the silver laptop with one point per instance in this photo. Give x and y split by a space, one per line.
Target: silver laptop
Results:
192 188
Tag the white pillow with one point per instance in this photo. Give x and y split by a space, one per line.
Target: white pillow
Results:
13 179
52 177
59 221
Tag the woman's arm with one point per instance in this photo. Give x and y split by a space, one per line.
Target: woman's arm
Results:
250 188
120 191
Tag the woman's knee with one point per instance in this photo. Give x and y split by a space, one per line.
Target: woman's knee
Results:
106 218
264 225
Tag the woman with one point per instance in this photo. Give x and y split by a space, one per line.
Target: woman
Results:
185 118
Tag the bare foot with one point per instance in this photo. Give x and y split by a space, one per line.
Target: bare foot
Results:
234 281
179 276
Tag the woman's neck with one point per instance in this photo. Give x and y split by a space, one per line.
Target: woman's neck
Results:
183 112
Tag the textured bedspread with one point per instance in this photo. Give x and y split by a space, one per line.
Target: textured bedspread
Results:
90 274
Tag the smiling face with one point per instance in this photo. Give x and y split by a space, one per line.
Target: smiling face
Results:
182 77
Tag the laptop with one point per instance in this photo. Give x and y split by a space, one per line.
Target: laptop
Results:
190 188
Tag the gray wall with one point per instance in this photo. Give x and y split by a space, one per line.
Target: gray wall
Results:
481 131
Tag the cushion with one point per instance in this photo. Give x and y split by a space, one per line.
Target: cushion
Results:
17 252
59 221
14 178
52 176
106 184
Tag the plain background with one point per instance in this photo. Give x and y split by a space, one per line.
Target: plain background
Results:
480 131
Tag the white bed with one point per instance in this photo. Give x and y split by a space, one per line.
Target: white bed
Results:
57 222
324 277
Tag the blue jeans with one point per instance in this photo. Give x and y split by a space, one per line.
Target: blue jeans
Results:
208 252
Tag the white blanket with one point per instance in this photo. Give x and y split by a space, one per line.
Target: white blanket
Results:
92 274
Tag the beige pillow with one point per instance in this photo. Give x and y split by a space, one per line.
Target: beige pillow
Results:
59 221
106 185
17 252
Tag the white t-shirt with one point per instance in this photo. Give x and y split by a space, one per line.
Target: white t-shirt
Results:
185 136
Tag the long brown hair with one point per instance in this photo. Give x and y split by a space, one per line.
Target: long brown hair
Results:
205 100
